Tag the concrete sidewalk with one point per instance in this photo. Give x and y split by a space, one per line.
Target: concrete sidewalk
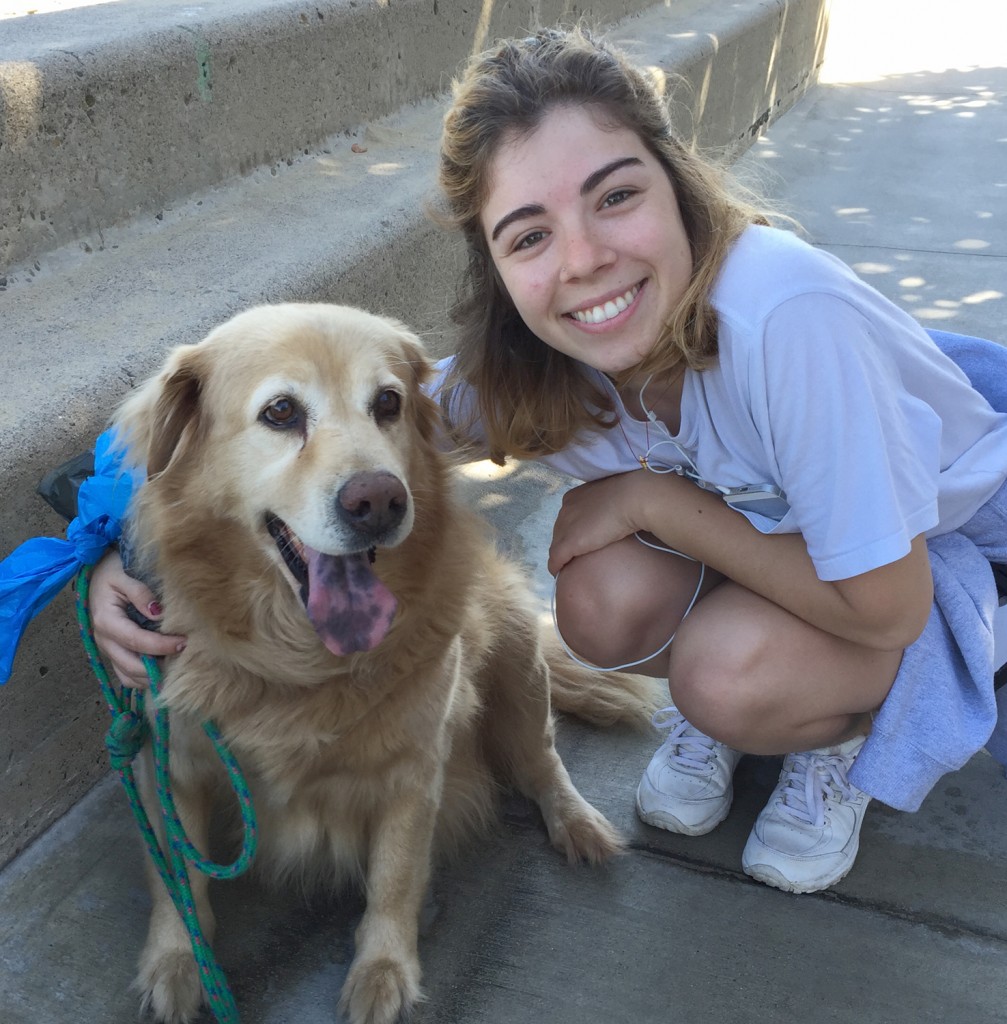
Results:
901 170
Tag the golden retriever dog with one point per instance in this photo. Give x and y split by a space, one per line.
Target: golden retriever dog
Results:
375 666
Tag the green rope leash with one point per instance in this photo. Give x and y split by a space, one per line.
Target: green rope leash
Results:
126 736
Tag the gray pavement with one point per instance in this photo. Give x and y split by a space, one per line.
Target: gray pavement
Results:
903 173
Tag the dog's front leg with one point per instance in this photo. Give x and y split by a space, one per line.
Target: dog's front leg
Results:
168 978
384 980
520 738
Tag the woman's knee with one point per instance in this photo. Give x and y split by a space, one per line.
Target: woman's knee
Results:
622 603
594 612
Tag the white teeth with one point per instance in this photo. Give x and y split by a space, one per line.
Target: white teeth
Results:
599 314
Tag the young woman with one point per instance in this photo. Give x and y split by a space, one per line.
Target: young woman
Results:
780 465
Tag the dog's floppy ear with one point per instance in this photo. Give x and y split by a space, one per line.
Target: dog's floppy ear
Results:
177 410
165 417
419 374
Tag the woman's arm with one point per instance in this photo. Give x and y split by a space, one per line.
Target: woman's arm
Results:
885 609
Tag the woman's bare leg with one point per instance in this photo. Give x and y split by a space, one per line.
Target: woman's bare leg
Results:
745 675
762 680
741 669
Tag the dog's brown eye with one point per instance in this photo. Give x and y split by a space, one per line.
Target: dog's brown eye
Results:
281 412
387 406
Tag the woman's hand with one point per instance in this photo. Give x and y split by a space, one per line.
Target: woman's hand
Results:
120 640
600 513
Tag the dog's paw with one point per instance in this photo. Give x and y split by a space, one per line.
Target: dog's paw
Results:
585 834
382 990
170 989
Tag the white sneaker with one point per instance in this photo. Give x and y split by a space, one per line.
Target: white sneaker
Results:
808 835
687 787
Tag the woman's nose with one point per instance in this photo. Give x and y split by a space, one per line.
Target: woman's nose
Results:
584 253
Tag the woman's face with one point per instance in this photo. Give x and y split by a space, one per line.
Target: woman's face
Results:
584 228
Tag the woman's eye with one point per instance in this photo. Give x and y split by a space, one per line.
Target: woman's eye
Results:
620 195
281 412
387 406
529 240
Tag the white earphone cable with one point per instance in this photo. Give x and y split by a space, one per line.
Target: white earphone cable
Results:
644 462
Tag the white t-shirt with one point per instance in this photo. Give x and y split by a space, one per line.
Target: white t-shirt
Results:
826 390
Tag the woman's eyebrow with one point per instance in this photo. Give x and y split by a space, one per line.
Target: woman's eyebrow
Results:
591 182
531 210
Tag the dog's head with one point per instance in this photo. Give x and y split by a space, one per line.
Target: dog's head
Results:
299 423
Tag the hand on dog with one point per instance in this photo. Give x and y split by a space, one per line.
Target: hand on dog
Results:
121 641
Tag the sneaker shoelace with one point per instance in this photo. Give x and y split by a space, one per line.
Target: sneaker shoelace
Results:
809 778
686 746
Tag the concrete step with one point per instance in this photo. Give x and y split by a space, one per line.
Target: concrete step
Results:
166 164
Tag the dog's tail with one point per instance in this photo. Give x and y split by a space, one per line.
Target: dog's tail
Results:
602 698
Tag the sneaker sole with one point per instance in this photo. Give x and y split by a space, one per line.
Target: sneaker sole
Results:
668 822
769 875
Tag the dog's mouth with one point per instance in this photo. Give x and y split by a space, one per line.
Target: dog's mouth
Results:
349 607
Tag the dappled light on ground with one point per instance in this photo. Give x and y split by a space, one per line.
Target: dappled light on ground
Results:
484 470
870 185
913 292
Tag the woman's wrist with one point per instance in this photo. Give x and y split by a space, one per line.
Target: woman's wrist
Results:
664 500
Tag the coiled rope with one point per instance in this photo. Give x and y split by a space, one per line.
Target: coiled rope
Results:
126 736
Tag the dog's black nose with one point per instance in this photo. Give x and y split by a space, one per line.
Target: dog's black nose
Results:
373 503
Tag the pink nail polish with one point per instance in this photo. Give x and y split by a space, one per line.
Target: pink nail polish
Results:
154 609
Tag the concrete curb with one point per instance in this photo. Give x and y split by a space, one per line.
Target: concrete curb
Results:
83 322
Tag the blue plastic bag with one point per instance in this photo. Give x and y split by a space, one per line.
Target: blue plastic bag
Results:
34 573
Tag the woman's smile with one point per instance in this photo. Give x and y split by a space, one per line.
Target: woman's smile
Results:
607 309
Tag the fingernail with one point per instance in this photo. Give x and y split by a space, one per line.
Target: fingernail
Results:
154 609
180 647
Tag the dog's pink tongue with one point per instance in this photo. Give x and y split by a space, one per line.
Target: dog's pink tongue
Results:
350 608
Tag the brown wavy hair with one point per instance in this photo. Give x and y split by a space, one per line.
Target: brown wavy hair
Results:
531 399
